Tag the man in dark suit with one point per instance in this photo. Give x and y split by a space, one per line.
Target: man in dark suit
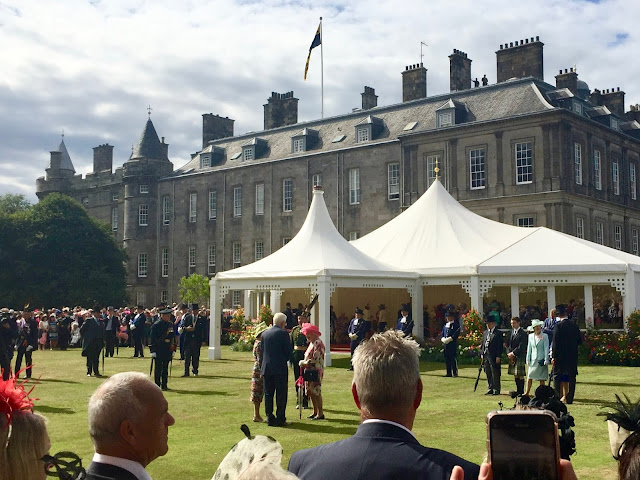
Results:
490 353
27 341
564 355
357 331
111 329
291 318
92 331
517 353
387 390
276 351
449 338
126 440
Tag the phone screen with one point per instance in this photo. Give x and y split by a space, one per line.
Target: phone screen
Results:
523 447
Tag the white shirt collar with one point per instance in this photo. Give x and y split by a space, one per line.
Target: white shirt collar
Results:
389 422
129 465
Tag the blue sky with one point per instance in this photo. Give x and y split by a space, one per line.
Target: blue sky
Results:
90 68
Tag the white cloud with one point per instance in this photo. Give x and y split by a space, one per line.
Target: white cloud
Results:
92 67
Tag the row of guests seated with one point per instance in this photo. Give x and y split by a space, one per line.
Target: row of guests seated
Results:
129 422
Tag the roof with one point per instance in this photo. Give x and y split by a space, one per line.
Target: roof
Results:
65 162
318 248
149 145
493 102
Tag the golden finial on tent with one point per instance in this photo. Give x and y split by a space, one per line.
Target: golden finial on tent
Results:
437 170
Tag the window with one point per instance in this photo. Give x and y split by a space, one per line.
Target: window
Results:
316 180
525 222
141 298
632 181
237 261
205 161
615 177
247 153
142 265
353 236
577 163
287 195
192 257
166 210
114 219
211 259
617 232
237 202
298 145
579 227
393 181
236 295
164 296
634 241
143 215
285 240
600 233
193 204
213 205
259 250
614 124
445 119
165 262
260 199
477 168
577 108
597 166
433 161
144 188
354 186
115 197
524 163
362 134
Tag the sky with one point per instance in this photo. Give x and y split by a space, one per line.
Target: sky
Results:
90 68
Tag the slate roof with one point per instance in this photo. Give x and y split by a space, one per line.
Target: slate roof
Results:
504 100
65 163
149 145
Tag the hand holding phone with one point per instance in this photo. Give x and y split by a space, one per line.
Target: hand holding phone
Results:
523 445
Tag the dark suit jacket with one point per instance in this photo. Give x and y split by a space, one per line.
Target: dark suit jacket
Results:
378 451
103 471
518 343
92 331
495 345
276 351
566 338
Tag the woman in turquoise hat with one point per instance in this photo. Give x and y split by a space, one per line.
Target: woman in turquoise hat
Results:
537 355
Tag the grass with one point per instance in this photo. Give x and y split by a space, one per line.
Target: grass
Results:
210 408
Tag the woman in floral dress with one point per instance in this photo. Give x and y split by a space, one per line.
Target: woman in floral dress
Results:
257 384
314 360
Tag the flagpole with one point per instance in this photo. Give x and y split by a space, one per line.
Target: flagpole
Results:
321 73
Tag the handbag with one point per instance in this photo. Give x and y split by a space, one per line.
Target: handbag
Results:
311 376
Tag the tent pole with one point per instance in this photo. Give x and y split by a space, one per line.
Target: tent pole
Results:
215 328
324 299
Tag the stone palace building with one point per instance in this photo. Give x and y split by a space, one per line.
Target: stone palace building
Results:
520 151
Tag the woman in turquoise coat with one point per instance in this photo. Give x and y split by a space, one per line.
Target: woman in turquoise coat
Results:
537 355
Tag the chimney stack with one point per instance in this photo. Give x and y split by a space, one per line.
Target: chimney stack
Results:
103 158
459 71
414 82
633 113
280 110
369 98
215 127
520 59
568 79
614 101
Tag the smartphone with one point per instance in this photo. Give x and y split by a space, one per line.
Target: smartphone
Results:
523 445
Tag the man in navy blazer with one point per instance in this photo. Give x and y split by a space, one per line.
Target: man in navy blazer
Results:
276 351
387 389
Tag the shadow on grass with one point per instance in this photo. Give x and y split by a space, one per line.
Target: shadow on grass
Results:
321 426
344 412
235 377
605 384
593 401
198 392
50 380
48 409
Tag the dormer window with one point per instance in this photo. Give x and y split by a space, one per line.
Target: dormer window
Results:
369 128
445 119
144 188
577 107
205 160
298 145
450 113
362 134
614 123
256 148
248 153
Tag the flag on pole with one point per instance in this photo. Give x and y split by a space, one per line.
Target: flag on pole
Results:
317 40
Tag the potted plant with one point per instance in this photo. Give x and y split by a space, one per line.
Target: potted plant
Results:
622 422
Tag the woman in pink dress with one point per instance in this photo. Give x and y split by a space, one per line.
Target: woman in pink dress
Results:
314 362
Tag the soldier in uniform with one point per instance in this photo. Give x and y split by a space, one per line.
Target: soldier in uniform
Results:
299 343
27 341
191 330
357 331
517 353
162 346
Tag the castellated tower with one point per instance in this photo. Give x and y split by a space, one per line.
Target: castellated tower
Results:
59 173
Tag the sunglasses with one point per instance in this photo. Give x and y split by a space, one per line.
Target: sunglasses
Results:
64 465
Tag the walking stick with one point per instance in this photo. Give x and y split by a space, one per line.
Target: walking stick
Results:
151 368
300 385
103 361
478 378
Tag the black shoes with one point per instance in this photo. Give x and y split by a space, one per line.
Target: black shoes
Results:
489 392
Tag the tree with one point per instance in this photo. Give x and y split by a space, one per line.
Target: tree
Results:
54 254
11 203
194 289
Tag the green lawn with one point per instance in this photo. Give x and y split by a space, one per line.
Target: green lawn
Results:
209 410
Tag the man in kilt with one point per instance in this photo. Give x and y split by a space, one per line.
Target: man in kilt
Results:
517 353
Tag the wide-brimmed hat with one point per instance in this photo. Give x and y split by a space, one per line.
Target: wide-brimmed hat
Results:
536 323
405 308
310 328
259 328
359 310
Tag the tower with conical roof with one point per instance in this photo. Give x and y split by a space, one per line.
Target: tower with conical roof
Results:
59 173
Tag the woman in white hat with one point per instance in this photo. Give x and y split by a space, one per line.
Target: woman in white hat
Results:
537 355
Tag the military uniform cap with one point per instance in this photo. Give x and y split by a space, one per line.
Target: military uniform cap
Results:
165 311
359 310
